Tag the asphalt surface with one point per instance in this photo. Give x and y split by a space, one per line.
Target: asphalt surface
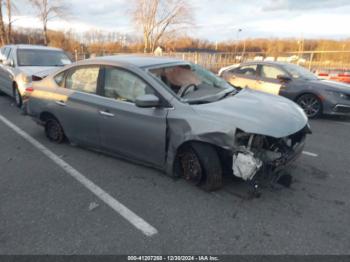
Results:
43 210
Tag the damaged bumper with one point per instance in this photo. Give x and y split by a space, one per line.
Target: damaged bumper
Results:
262 156
289 157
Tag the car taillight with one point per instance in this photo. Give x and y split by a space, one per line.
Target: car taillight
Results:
323 74
29 89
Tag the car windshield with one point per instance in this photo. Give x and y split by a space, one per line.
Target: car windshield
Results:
299 72
193 84
37 57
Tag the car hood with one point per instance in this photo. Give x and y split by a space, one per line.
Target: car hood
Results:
256 112
331 85
40 71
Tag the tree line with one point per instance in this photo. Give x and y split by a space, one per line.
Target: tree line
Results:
45 10
159 23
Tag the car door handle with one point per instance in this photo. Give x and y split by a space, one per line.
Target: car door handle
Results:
61 103
104 113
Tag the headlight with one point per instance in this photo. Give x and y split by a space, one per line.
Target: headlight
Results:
344 96
339 94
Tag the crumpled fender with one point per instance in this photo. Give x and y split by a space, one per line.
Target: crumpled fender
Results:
180 132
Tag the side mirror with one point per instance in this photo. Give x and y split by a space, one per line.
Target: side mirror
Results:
147 101
283 78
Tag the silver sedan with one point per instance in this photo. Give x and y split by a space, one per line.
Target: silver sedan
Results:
19 64
169 114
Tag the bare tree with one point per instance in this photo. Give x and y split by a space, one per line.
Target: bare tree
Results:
160 17
48 10
9 17
10 7
2 26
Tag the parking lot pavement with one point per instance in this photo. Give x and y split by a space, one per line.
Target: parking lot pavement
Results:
44 210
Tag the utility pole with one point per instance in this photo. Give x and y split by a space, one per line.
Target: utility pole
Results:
243 49
237 41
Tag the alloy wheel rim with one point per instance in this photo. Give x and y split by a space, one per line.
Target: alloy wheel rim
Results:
310 105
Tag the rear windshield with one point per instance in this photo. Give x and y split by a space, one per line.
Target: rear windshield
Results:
37 57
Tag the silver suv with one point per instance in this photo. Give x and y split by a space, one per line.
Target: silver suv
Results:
19 64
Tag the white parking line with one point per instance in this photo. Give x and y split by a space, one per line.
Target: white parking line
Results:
343 123
129 215
310 154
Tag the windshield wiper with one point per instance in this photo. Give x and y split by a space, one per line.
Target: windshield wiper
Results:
230 93
198 102
210 99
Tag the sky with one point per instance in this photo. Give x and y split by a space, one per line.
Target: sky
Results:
214 20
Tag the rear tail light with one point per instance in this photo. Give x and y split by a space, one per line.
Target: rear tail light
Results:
29 89
322 74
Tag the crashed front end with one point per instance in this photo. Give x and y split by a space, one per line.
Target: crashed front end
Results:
260 158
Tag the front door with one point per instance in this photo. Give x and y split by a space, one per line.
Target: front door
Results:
268 81
138 133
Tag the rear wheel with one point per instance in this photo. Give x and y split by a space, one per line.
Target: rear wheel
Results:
17 96
200 165
311 105
53 130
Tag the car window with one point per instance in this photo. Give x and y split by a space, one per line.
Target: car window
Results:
299 72
271 72
7 52
59 79
83 79
123 85
2 53
42 57
12 55
245 70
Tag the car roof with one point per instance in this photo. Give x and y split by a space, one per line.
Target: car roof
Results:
38 47
278 63
142 61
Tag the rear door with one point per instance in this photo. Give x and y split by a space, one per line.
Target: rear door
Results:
138 133
267 79
242 76
79 113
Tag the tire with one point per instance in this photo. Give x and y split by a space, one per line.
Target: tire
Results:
201 166
17 96
311 105
54 131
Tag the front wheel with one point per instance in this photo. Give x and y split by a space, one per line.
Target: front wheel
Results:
311 105
17 96
200 165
